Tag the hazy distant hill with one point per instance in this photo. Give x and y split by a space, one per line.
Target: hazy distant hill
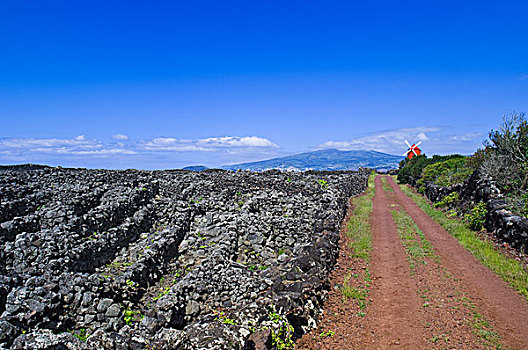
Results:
329 159
196 168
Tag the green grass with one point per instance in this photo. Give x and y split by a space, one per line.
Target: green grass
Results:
484 330
358 228
385 185
507 268
418 249
351 292
413 240
360 235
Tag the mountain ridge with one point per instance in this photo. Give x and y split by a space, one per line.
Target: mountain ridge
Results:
328 159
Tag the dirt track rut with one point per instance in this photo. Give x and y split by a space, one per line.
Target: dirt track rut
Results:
496 300
447 301
395 302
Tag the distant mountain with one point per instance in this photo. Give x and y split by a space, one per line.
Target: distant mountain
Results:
328 159
196 168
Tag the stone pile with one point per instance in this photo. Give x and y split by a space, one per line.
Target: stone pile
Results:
96 259
505 225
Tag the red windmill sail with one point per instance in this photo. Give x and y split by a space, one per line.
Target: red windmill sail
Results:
413 150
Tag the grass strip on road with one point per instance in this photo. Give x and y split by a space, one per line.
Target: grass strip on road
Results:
357 286
420 251
385 185
358 229
507 268
413 240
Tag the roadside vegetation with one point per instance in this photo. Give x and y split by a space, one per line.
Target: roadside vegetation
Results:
504 157
385 185
356 286
442 170
446 173
358 230
417 247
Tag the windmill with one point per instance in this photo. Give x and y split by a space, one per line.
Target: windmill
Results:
413 150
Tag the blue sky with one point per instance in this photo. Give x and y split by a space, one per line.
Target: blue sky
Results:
120 84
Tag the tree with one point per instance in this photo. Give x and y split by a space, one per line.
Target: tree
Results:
507 155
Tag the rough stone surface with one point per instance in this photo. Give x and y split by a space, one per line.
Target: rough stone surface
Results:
504 224
172 259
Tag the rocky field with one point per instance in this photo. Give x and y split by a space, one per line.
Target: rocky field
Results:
97 259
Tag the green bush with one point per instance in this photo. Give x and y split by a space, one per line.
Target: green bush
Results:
477 159
448 201
446 173
523 205
505 158
411 169
477 217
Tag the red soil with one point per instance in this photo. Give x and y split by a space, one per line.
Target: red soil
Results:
436 305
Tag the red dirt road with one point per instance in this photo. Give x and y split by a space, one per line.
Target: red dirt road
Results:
395 303
500 303
450 301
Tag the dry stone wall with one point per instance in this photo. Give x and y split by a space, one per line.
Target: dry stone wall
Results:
504 224
168 259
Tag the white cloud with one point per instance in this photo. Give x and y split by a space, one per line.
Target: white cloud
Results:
466 137
523 77
435 140
390 141
422 137
229 141
31 143
172 144
64 150
82 146
121 137
207 144
78 145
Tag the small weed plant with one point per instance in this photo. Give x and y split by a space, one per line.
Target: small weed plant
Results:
448 201
281 332
327 334
196 201
131 315
81 335
351 292
222 317
258 267
161 294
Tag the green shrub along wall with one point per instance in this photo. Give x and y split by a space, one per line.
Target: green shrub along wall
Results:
480 204
412 170
446 173
488 189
